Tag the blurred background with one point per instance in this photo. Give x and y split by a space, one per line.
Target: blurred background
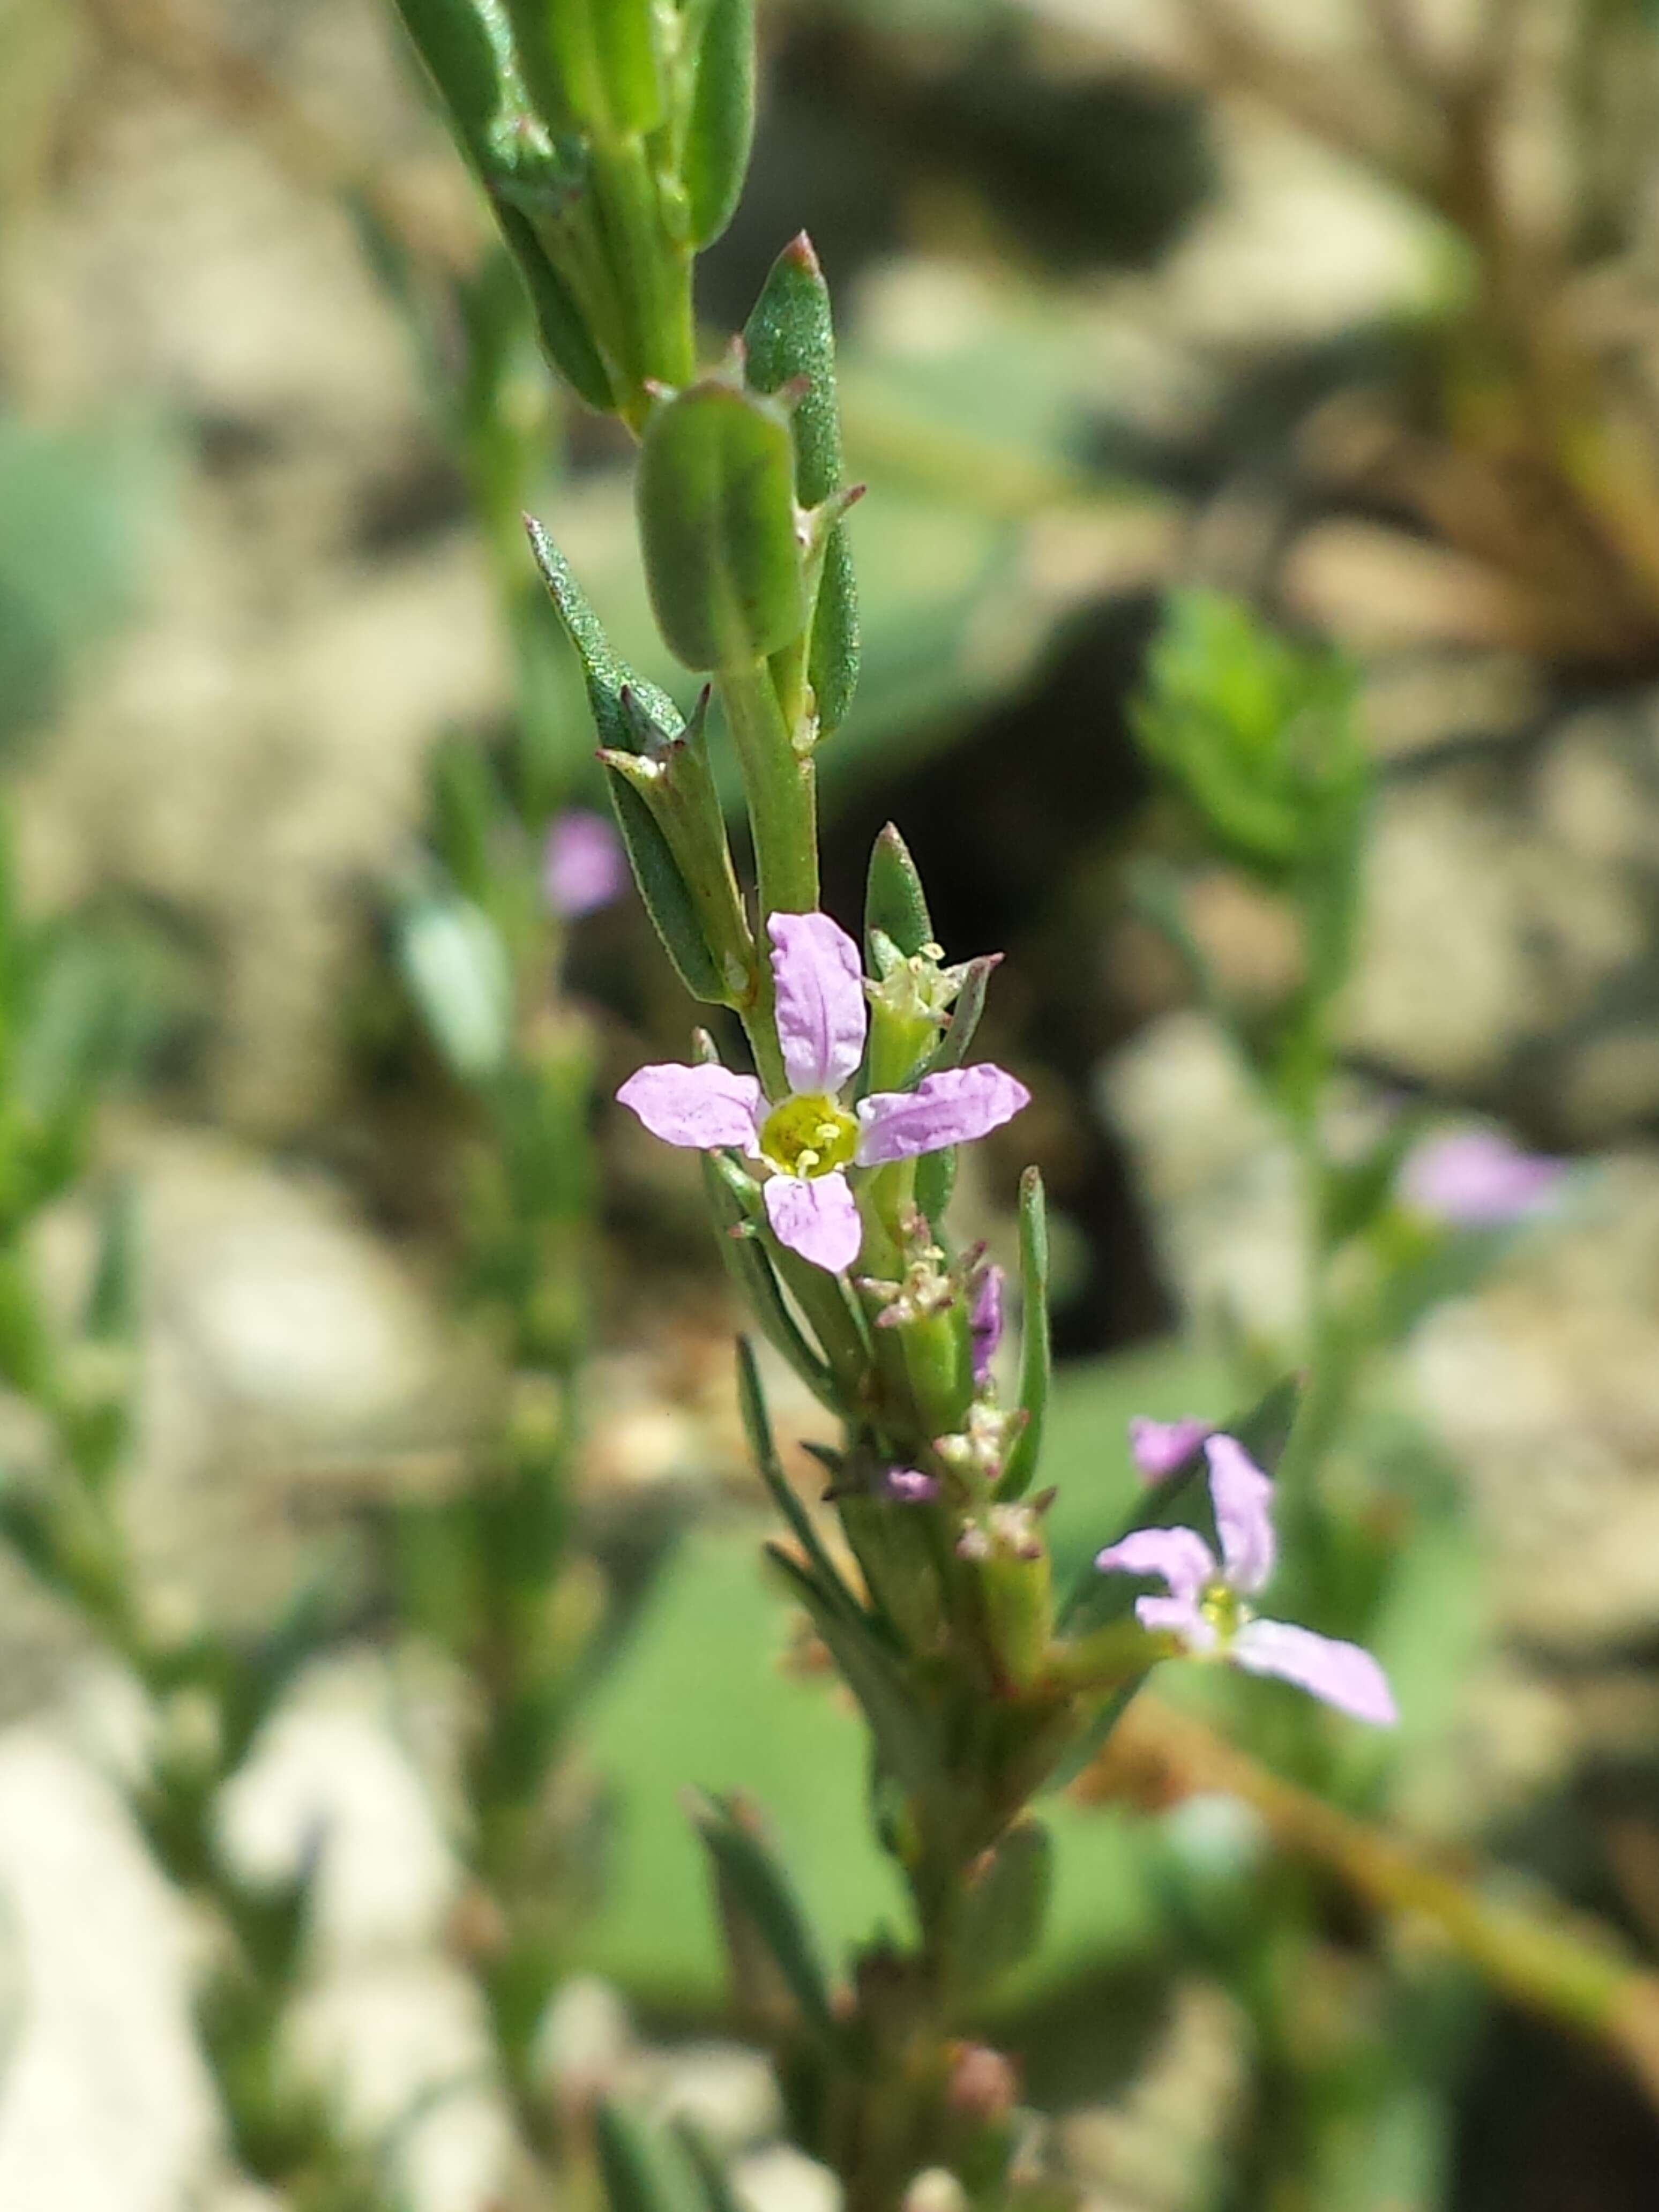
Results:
1347 309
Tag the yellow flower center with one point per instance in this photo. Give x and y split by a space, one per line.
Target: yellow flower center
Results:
809 1136
1224 1610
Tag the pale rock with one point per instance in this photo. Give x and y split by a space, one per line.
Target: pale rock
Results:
104 2103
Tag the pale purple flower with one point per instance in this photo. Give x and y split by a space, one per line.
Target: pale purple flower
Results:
985 1321
911 1486
1158 1448
809 1139
1476 1178
583 865
1207 1609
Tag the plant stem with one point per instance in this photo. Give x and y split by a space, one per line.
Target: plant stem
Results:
780 784
1567 1968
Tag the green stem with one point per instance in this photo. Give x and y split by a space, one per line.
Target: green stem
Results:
659 333
780 785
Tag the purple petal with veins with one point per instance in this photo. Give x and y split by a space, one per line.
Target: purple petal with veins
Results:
1179 1557
820 1001
1158 1448
583 866
955 1107
816 1217
704 1107
1242 1497
985 1321
1477 1178
1341 1674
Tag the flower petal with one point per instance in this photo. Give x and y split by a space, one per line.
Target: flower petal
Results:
1157 1447
1241 1496
985 1321
1476 1178
818 1219
702 1107
1341 1674
1179 1557
1176 1616
954 1107
820 995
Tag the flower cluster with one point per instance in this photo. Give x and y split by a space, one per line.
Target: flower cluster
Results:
810 1138
1207 1610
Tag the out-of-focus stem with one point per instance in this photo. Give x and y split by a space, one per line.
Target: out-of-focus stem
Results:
1561 1967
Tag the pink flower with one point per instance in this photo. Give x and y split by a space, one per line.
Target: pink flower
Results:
1207 1609
809 1139
985 1321
911 1486
583 866
1476 1178
1157 1447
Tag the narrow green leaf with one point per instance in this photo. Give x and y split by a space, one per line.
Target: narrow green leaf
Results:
722 124
832 661
642 2170
1006 1908
560 325
966 1012
789 337
711 2172
717 525
904 1737
757 1428
667 895
452 39
752 1881
1036 1348
894 901
615 717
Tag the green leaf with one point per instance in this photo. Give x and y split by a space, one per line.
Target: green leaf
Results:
642 2170
751 1883
894 901
904 1737
757 1428
965 1014
1005 1909
666 894
790 336
1035 1347
722 124
717 525
608 676
790 339
453 39
560 325
836 650
710 2169
591 65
